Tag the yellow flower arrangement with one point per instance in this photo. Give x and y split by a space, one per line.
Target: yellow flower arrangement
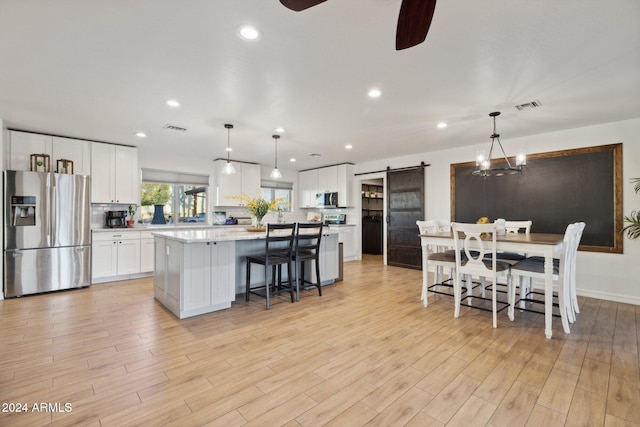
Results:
258 206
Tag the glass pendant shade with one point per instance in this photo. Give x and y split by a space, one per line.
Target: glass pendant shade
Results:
275 173
228 168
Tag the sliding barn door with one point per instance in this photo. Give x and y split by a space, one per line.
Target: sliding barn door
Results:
405 207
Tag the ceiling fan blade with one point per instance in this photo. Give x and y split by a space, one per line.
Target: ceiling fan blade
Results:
299 5
414 22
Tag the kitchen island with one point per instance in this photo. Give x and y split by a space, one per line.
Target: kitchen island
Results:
200 271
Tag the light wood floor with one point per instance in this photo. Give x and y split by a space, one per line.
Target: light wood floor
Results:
365 353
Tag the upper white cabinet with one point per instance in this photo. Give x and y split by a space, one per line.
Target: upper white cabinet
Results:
308 183
24 144
114 173
330 179
246 180
76 150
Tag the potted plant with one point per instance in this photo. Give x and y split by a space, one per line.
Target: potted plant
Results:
258 207
132 211
633 229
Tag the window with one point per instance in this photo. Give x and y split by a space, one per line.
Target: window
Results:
177 197
276 189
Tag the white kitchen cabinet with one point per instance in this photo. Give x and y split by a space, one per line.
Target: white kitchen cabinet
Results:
146 252
246 181
23 144
308 187
328 260
347 236
114 172
115 254
194 278
328 180
76 150
345 174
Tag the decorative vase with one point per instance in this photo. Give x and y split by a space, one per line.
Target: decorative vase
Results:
158 215
258 222
130 223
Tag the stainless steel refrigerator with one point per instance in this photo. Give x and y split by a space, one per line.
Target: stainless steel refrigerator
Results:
47 234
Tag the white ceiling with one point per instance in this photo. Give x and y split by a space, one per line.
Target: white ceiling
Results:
102 70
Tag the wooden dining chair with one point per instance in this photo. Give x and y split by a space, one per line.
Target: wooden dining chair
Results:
475 252
278 252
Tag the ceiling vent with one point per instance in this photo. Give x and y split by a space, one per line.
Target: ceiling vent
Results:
176 128
528 105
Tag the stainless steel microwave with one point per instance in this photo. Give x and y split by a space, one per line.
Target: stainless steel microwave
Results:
327 200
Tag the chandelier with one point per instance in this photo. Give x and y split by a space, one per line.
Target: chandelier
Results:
483 162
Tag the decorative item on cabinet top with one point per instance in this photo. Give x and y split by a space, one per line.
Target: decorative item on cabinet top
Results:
40 163
64 166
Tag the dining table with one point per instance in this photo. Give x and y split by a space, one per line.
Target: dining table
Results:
547 245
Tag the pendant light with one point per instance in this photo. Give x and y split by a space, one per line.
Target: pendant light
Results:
275 173
483 163
228 168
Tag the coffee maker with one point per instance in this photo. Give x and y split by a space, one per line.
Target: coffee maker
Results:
116 219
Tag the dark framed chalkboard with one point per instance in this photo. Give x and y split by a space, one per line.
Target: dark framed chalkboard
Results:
555 189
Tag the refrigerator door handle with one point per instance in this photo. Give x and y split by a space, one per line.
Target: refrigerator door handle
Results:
52 209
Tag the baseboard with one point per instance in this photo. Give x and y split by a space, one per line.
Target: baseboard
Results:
625 299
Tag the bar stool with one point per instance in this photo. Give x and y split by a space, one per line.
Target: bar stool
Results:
307 248
278 251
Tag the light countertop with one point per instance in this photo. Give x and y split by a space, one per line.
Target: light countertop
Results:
216 235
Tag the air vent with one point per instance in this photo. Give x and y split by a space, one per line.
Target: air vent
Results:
532 104
176 128
314 155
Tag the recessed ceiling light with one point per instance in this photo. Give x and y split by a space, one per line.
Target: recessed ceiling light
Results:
348 146
292 160
279 130
228 149
441 125
141 134
375 93
173 103
247 32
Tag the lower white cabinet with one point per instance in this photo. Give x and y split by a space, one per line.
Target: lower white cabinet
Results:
146 252
328 261
194 278
347 236
115 254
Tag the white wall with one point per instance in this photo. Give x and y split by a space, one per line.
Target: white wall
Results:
613 277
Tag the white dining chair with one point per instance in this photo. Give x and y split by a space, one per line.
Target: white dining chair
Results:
515 227
576 244
472 252
440 257
563 273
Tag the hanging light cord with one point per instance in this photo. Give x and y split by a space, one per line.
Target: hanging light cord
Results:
495 136
276 137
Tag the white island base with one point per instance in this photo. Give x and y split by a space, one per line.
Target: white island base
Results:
201 271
